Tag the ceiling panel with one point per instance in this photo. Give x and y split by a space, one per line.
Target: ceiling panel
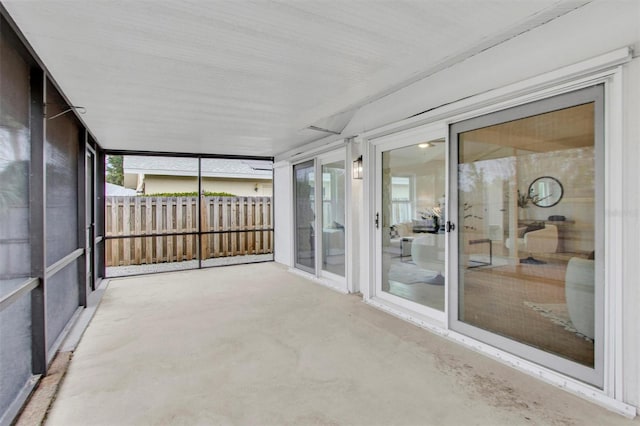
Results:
247 77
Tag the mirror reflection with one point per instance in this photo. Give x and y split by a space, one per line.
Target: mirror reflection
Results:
545 191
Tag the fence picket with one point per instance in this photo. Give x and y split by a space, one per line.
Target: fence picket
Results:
205 250
259 227
159 207
170 228
224 224
148 225
217 217
137 222
247 220
179 225
126 230
234 227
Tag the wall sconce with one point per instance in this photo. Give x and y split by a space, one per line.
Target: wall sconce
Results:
357 168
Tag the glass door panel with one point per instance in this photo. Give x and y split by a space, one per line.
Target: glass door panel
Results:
528 252
333 218
304 192
413 237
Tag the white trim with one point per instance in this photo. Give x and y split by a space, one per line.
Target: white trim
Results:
410 136
367 256
431 314
348 218
321 281
575 387
561 80
388 143
614 235
326 278
312 149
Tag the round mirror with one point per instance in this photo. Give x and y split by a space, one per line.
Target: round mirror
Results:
546 191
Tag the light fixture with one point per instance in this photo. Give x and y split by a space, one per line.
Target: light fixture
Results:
425 145
357 168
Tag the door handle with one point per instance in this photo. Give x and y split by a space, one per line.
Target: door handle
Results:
450 226
377 220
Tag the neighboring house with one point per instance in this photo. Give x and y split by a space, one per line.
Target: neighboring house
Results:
153 175
112 190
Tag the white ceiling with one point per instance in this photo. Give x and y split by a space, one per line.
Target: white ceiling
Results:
248 77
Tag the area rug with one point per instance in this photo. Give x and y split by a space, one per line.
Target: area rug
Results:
409 273
558 314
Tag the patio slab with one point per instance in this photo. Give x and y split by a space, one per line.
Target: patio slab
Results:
255 344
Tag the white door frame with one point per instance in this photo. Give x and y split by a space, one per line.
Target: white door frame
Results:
387 143
325 278
330 157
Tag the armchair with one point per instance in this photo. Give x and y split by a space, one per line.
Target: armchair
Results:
543 240
427 252
579 293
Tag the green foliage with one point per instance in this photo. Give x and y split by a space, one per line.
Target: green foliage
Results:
14 190
115 172
189 194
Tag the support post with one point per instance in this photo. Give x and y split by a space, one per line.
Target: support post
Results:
83 281
37 220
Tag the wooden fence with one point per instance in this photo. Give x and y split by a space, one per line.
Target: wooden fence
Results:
144 230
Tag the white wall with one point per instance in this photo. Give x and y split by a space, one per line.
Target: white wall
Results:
631 228
282 213
590 31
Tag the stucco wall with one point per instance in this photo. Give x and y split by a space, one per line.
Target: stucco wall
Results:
282 213
241 187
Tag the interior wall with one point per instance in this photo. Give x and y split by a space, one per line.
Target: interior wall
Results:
574 169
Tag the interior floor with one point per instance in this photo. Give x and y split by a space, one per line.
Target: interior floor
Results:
524 302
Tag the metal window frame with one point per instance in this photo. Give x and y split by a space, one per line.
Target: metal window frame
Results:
199 233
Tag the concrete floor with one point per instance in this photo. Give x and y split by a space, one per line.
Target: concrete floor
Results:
257 345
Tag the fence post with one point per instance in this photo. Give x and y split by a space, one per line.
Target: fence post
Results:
148 230
159 228
170 228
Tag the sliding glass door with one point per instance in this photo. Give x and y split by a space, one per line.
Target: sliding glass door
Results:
333 189
305 216
527 186
411 205
320 203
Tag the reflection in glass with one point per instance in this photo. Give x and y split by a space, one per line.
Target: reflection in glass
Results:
15 147
413 239
15 248
333 217
526 272
304 184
